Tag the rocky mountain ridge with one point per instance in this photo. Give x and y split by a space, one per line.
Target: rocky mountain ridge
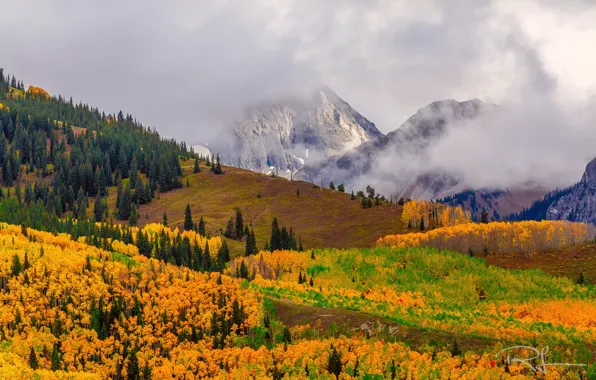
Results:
579 204
406 147
286 135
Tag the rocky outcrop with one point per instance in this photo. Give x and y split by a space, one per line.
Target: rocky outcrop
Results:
579 204
402 150
287 135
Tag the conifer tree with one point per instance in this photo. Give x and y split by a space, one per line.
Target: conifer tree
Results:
125 204
165 219
275 241
33 359
229 232
188 223
196 168
239 224
202 227
341 188
133 172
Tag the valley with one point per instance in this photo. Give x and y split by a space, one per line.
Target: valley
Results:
122 256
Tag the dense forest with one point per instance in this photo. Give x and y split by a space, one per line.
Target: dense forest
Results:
80 151
537 211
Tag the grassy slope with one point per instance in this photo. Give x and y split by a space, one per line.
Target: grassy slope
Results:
323 218
567 263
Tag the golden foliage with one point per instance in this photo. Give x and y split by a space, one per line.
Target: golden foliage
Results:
38 92
498 237
96 303
433 214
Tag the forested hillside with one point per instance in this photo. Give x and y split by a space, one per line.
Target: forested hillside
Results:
65 153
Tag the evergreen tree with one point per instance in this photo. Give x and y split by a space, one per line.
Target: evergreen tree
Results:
125 204
123 163
133 172
16 266
133 372
33 359
341 188
239 224
218 169
331 185
243 270
275 241
165 219
352 197
196 168
188 223
28 194
334 365
422 224
55 359
17 191
202 227
229 232
581 280
99 209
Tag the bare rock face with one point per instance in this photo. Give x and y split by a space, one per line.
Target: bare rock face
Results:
284 136
579 205
406 145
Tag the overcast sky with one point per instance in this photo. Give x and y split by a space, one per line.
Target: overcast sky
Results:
187 66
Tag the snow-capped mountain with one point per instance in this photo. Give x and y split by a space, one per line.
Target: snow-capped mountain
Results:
403 150
291 133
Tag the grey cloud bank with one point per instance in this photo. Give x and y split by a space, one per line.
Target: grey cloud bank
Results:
188 67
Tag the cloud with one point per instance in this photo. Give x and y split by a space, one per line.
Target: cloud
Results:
188 67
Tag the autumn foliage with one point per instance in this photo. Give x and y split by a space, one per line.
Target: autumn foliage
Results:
80 308
417 212
38 92
524 237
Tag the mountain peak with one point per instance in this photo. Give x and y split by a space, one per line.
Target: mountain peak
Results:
288 132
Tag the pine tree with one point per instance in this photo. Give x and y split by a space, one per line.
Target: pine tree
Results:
331 185
218 169
341 188
352 197
581 280
229 232
334 365
188 223
275 243
134 172
165 219
202 227
243 270
123 163
16 266
253 241
55 360
124 206
239 224
196 168
422 224
33 359
17 191
132 369
99 209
